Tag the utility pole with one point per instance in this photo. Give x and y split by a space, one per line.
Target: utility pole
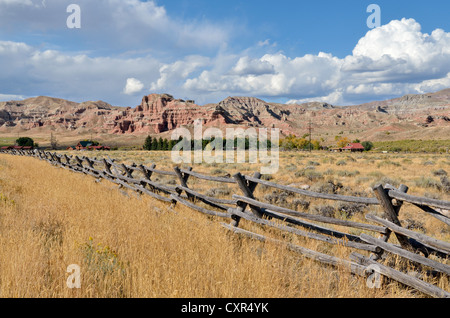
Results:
310 135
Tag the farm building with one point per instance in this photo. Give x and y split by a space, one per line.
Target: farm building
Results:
353 147
88 145
83 145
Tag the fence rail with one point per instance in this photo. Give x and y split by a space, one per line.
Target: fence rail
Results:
413 246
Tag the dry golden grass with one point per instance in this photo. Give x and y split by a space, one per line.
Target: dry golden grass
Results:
130 246
356 173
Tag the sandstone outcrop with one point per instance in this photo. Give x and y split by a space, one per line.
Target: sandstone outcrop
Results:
160 113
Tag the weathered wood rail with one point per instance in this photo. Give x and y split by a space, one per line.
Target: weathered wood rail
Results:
413 246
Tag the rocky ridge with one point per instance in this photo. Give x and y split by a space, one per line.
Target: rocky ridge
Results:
162 113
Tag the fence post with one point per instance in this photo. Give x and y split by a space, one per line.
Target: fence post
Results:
247 188
52 156
128 172
147 172
58 159
183 177
67 159
80 162
90 162
391 213
107 166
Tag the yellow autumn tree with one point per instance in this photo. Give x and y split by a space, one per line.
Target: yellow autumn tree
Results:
315 144
294 142
342 142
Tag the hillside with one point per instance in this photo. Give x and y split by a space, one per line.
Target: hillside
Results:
424 116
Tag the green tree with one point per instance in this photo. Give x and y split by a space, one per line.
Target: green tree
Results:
154 144
148 143
165 145
367 145
25 142
172 143
159 144
93 142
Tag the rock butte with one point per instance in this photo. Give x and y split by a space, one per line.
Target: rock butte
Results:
160 113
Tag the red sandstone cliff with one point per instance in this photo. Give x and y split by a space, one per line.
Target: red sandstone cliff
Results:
410 116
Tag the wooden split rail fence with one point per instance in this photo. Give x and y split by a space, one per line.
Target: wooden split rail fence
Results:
413 246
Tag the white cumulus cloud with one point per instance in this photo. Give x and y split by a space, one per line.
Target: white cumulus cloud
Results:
394 59
133 86
16 2
29 71
114 25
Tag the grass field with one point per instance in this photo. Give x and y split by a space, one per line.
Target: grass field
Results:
7 141
130 246
442 146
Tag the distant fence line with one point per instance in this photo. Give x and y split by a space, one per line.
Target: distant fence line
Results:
415 247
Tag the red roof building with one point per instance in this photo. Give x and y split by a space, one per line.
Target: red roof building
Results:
353 147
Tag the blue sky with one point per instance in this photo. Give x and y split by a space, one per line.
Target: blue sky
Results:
302 27
284 51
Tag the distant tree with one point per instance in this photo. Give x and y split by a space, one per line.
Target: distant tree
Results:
154 144
293 142
172 144
288 142
302 143
342 142
93 142
148 143
367 145
25 142
165 145
53 142
315 144
159 144
356 141
205 143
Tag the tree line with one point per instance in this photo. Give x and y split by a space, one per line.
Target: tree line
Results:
162 144
293 142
